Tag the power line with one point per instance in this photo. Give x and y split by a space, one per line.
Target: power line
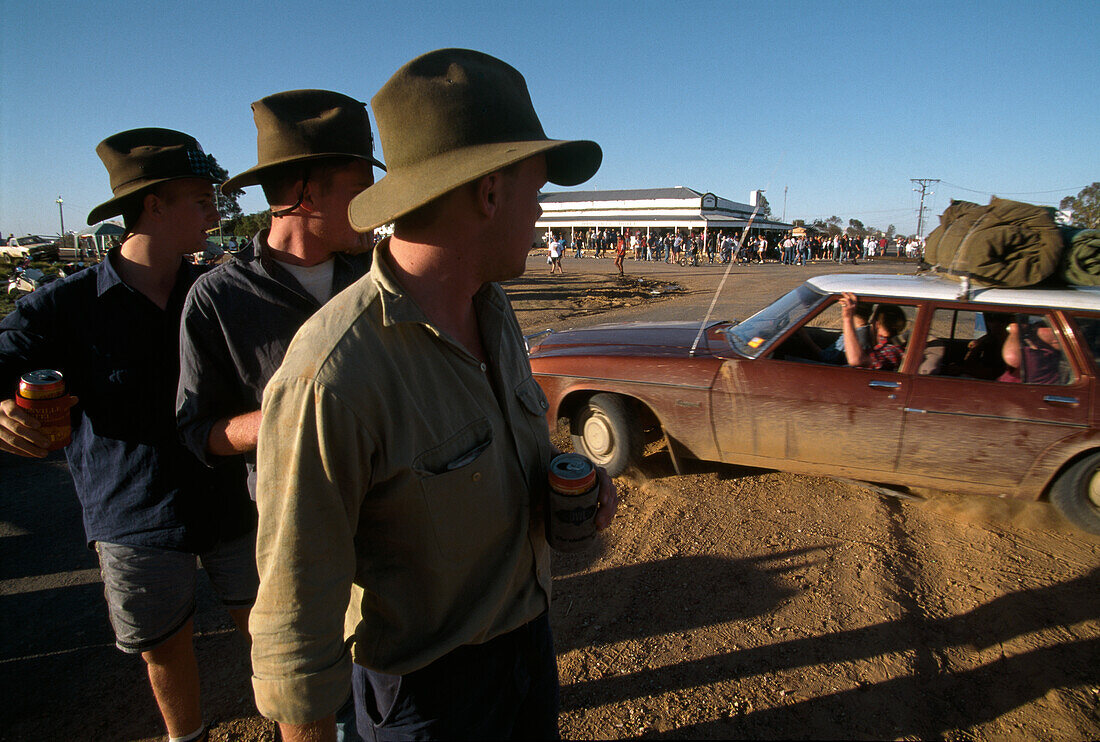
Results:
1017 193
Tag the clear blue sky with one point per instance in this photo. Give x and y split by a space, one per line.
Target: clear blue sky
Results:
839 103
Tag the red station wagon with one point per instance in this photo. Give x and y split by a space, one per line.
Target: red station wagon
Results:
775 390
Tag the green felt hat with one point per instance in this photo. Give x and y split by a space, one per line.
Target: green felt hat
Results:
304 125
449 117
138 159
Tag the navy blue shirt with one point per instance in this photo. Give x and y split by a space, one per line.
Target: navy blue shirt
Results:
138 485
238 321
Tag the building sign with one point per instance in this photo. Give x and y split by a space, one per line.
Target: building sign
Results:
710 201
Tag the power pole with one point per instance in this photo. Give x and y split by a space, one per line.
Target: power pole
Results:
923 183
784 217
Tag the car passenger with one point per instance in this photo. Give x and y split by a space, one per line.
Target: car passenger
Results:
984 355
862 320
887 322
1032 354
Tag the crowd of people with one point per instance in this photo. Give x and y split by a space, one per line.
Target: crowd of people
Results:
695 247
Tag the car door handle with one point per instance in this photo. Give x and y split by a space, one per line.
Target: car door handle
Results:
884 385
1055 399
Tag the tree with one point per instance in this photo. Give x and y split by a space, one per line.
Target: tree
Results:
227 200
1085 207
798 222
828 226
248 225
765 208
856 228
891 232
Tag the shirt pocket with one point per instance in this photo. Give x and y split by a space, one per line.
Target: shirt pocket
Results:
532 398
461 483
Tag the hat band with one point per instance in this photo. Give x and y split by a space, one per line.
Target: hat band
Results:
195 164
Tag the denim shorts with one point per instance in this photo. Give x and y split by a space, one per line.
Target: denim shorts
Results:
151 592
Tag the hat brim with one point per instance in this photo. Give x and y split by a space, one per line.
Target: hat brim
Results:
568 163
254 175
116 205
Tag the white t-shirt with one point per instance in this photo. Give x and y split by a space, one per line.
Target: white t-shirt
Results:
316 279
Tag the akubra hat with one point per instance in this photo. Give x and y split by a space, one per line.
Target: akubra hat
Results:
449 117
138 159
303 125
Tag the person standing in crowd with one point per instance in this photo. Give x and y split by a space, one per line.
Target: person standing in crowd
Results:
151 509
620 254
555 251
418 495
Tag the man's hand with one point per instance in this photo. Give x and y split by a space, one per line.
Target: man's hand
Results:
608 500
19 430
848 303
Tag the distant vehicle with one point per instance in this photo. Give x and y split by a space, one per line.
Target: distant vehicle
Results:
773 391
24 280
31 246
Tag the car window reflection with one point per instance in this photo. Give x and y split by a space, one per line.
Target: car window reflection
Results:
753 336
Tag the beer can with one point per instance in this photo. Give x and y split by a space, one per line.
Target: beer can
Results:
574 495
42 394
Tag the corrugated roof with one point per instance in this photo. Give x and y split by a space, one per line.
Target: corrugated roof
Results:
635 194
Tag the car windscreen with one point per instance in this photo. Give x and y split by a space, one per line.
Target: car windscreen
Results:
751 337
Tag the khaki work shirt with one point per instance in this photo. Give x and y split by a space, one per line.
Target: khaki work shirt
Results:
397 468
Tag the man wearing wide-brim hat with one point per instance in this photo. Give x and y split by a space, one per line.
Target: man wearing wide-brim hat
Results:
150 507
404 448
314 154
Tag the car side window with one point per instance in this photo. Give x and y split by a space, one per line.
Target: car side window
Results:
995 346
821 338
965 344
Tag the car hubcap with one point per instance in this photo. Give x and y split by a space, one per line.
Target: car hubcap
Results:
598 438
1094 489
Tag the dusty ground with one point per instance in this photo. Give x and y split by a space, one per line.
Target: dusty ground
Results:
726 603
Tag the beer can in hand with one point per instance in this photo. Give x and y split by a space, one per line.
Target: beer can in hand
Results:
42 394
574 495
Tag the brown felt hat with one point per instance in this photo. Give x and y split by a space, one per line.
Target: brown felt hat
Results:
304 125
138 159
449 117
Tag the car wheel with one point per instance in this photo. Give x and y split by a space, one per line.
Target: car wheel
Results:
1076 493
605 430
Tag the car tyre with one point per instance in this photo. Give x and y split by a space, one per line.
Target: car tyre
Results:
606 431
1076 493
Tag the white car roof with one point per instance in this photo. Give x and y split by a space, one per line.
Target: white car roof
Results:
927 286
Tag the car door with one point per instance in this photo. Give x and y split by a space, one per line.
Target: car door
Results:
787 406
988 431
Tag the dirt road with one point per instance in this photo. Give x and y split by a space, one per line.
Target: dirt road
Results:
723 603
